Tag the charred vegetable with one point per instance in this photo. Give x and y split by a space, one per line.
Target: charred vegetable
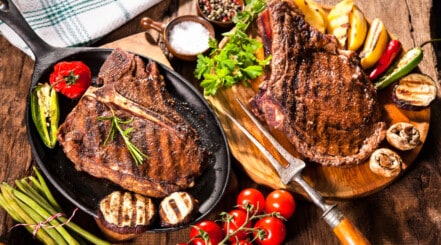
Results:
374 45
123 215
385 162
45 113
177 209
403 136
386 59
414 92
403 66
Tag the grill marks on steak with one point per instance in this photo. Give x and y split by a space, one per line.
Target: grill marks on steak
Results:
319 97
135 91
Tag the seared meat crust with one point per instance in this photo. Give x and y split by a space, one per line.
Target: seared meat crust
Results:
133 91
318 96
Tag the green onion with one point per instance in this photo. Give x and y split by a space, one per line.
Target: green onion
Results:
32 203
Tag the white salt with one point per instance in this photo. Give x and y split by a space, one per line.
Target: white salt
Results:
188 37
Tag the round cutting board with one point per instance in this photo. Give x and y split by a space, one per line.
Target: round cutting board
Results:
330 182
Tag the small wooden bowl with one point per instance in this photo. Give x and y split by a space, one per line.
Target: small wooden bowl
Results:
222 25
165 29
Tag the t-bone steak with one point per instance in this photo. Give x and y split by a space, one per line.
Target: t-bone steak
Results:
316 94
135 92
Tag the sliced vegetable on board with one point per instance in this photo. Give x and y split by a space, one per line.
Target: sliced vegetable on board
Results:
414 92
315 15
45 113
357 29
403 136
374 45
403 66
338 21
393 48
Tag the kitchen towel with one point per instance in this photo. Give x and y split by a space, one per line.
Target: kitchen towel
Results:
69 23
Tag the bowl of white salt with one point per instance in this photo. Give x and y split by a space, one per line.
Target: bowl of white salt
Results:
185 36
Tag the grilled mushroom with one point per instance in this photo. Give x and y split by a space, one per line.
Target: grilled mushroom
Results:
385 162
177 208
403 136
123 215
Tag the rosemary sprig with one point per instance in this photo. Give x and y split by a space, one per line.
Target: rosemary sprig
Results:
116 123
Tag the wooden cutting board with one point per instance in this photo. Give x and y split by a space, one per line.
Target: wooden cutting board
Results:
331 182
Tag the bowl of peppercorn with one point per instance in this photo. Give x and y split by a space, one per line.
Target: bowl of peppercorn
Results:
219 12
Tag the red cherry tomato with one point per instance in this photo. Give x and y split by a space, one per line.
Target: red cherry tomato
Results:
238 218
270 231
251 196
205 232
244 242
71 78
280 201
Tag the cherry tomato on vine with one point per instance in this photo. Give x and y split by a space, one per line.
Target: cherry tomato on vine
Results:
238 218
280 201
205 231
244 242
270 231
251 196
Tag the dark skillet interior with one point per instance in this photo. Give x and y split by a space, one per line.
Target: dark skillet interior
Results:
86 191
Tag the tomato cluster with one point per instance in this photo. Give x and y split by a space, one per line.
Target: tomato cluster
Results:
254 220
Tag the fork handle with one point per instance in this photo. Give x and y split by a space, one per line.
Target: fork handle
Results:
344 229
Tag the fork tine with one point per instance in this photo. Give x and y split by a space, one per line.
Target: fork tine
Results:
283 152
279 168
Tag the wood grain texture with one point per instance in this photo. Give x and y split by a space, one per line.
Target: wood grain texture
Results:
406 212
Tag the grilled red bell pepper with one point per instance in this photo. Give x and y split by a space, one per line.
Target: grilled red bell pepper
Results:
71 78
386 59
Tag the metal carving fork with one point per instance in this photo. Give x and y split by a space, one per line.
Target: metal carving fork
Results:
345 231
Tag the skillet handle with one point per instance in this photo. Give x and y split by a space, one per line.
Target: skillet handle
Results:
346 232
10 14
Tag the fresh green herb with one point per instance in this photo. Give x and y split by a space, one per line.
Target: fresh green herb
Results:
32 205
235 61
136 153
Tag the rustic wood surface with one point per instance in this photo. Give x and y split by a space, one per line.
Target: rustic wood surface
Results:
406 212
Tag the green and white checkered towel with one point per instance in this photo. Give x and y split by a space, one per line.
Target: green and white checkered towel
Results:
68 23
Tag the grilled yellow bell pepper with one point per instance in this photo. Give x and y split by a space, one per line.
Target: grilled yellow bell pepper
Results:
375 44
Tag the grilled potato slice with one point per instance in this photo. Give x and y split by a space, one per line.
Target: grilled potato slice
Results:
348 24
338 21
314 14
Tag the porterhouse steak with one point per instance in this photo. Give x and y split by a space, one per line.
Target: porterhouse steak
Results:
135 92
314 93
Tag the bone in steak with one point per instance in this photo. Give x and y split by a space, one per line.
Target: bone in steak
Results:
318 96
135 91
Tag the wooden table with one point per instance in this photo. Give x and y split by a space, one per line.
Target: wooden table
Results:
406 212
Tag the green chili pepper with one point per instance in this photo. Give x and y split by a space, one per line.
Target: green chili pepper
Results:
402 67
45 113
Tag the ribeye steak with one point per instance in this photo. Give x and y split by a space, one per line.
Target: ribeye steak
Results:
314 93
133 91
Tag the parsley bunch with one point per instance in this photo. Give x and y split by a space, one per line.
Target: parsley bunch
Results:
236 61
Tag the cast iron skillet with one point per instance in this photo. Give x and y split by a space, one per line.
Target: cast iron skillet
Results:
85 191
